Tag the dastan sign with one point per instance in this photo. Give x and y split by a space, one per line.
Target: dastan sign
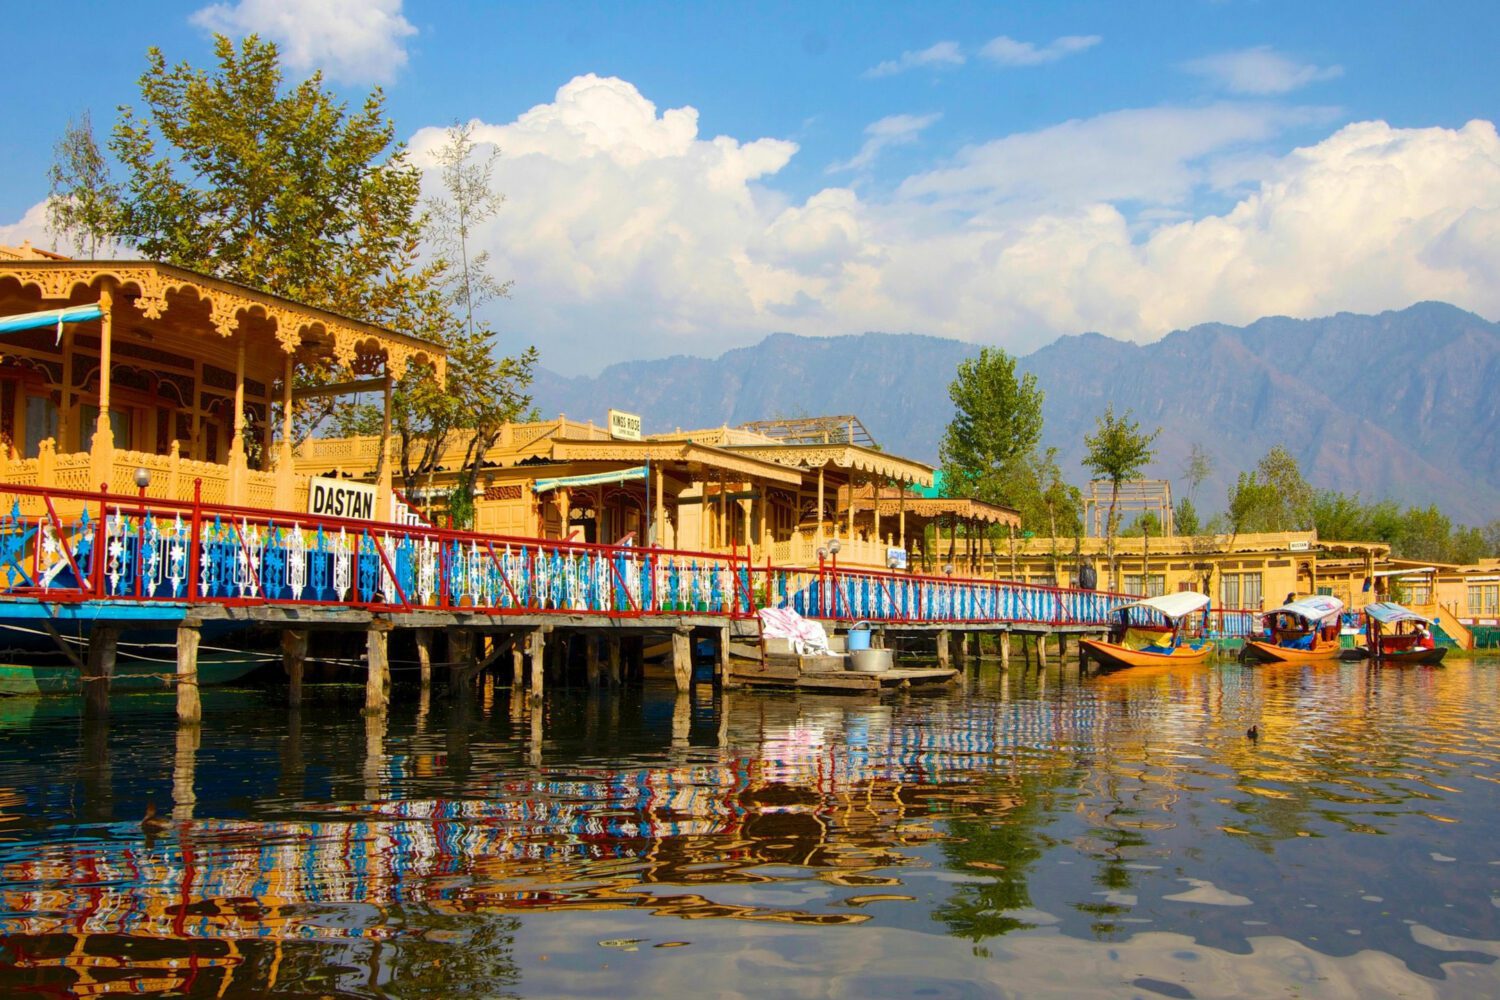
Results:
339 498
626 426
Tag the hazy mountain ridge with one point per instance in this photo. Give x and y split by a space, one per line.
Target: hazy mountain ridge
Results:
1403 404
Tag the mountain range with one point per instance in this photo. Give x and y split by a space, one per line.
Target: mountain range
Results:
1404 404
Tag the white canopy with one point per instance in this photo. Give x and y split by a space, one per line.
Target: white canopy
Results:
1173 606
1313 609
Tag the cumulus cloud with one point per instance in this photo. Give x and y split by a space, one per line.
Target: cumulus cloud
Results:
1010 52
1259 71
631 234
939 56
892 130
356 41
30 228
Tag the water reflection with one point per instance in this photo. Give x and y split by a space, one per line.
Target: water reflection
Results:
410 854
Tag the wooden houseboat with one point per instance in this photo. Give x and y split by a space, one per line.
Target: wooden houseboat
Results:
1396 636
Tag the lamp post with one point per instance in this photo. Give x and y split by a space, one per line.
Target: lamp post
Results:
833 550
822 583
142 480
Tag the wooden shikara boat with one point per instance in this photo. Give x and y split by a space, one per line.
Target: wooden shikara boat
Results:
1302 631
1396 636
1148 633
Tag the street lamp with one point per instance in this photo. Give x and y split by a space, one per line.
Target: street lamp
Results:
822 582
948 569
142 479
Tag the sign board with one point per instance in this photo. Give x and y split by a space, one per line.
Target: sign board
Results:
341 498
1301 545
895 558
625 426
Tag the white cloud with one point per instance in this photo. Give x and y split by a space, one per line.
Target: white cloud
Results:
1259 71
1010 52
630 234
355 41
892 130
939 56
31 228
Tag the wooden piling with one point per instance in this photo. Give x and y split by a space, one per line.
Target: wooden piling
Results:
293 661
721 658
1005 650
614 660
423 637
536 648
944 653
517 665
189 703
594 667
378 675
99 669
960 649
682 658
1041 651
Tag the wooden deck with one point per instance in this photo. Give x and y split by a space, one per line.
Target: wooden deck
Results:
827 673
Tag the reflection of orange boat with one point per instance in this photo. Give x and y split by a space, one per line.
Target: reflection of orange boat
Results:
1305 631
1146 633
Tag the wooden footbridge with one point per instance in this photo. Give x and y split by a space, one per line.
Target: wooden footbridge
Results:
122 563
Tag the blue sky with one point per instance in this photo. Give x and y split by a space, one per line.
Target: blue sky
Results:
687 178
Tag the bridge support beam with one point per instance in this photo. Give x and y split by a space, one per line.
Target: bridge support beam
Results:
378 677
293 661
944 653
99 669
682 658
1041 651
189 704
721 657
1005 650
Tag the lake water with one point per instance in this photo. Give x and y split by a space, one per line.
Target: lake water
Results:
1122 836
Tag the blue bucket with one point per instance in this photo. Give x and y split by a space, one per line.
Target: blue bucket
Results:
859 638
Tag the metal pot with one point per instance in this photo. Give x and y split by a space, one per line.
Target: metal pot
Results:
870 661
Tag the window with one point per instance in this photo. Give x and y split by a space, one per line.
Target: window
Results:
1154 585
1325 591
119 423
1240 590
1484 599
1418 593
41 423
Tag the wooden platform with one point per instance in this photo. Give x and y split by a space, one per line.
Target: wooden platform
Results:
827 673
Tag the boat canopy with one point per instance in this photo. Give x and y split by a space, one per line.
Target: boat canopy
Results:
1312 609
1387 613
1172 606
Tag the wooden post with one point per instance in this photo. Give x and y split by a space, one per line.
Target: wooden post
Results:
682 719
682 658
1041 651
423 637
99 669
293 657
944 654
819 534
1005 650
594 667
537 650
517 666
960 649
378 676
721 660
102 447
189 705
661 509
635 657
614 660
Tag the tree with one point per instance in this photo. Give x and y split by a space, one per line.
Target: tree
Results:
1424 535
1274 497
1468 545
1200 465
469 200
1492 538
1185 517
987 449
83 204
281 188
1117 451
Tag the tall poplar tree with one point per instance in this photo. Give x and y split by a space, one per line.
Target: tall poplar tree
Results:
1117 451
988 449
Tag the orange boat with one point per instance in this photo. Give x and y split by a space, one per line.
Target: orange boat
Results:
1148 633
1303 631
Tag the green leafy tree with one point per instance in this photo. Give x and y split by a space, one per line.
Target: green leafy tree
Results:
1492 538
1468 545
1185 517
987 450
1275 497
468 200
83 204
1425 534
1117 451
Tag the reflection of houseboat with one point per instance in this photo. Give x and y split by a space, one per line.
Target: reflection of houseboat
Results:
152 382
1302 631
1148 632
1394 635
